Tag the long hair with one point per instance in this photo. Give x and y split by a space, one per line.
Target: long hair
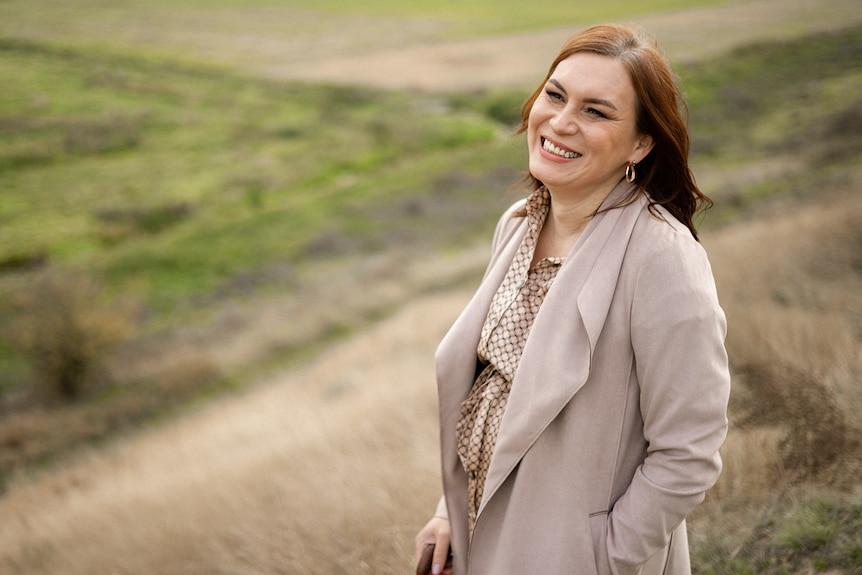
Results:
664 175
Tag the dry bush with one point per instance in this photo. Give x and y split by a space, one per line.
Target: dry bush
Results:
33 433
65 323
113 132
29 259
118 224
817 433
752 465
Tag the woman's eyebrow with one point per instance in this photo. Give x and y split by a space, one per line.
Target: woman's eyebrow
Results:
558 85
598 101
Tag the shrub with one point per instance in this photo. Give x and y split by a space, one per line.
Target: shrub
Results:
23 261
119 223
712 558
109 134
810 529
817 432
65 324
504 107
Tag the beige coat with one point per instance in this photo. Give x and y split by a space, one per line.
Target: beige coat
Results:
616 414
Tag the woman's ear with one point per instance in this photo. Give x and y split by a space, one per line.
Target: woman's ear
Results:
644 146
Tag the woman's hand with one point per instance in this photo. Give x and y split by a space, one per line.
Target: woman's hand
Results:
436 532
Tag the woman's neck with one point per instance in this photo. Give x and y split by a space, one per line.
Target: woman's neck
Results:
567 218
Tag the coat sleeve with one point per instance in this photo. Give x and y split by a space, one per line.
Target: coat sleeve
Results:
678 331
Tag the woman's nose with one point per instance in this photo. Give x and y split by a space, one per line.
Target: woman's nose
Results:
564 122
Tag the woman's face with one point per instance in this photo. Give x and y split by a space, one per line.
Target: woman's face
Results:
581 130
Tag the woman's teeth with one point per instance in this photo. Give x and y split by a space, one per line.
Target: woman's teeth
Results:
549 147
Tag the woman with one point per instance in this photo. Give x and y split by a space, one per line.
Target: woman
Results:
583 390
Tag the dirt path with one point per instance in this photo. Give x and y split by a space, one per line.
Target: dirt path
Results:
522 59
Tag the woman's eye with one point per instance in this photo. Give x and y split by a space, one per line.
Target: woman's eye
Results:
597 113
554 95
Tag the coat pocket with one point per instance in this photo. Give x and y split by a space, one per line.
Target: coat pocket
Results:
599 531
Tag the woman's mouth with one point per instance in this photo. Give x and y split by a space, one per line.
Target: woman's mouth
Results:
551 148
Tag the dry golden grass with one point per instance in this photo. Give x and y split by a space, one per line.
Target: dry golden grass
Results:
791 284
330 469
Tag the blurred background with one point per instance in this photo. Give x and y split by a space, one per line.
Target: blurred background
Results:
232 233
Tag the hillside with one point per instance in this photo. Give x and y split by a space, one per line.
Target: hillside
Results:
248 424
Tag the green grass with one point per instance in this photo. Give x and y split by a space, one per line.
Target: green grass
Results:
774 96
797 100
823 531
181 177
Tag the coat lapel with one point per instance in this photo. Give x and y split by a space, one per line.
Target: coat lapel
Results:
456 358
556 360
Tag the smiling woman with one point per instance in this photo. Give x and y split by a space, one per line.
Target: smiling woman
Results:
583 391
582 130
624 96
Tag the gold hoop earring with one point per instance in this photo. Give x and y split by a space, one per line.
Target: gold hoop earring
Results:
630 173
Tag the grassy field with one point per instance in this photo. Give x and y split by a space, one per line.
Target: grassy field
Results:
192 226
160 195
182 177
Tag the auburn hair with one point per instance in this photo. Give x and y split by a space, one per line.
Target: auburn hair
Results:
663 175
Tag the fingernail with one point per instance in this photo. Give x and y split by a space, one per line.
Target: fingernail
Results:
436 569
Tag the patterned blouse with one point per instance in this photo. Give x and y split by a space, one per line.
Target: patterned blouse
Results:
504 334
